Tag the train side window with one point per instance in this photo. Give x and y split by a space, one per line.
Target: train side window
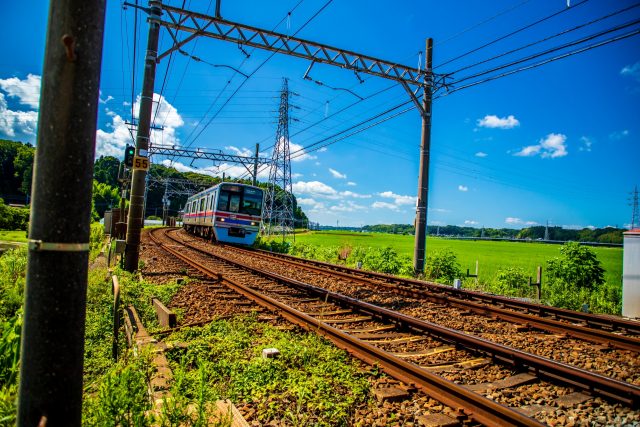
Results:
211 202
201 204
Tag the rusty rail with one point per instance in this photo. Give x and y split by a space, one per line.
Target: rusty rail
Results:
625 393
467 300
469 404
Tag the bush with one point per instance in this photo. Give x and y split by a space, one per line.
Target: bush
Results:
443 266
511 281
13 218
13 270
577 265
387 261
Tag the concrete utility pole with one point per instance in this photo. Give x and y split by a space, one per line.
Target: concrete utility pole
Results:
139 174
420 247
52 348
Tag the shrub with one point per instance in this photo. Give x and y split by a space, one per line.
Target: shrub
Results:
13 270
387 261
577 265
443 265
13 218
511 281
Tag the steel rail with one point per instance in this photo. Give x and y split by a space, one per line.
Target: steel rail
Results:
602 321
467 403
589 382
441 296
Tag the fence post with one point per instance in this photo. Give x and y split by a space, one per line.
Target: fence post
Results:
538 284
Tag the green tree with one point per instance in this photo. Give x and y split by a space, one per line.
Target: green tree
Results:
104 197
577 265
105 170
23 167
443 265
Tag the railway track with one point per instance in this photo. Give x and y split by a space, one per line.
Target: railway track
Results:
608 330
420 353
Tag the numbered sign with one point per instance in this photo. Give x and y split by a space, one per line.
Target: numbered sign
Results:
141 163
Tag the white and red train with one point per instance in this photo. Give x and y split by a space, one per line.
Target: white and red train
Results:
227 212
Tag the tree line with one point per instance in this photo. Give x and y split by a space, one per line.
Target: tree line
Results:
16 159
592 235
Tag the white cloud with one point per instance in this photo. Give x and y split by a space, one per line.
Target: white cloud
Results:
481 154
355 195
384 205
518 221
463 188
618 135
586 144
552 146
27 91
632 71
492 121
105 100
296 175
314 188
470 222
349 206
112 143
351 184
337 174
298 153
245 152
16 122
306 202
399 199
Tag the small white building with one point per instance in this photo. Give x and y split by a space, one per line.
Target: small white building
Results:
631 274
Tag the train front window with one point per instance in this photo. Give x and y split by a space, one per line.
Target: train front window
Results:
234 203
252 202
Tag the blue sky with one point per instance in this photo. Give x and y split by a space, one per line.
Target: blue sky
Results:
558 143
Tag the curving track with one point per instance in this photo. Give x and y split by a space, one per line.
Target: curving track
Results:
458 369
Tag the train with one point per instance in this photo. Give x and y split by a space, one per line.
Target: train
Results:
227 212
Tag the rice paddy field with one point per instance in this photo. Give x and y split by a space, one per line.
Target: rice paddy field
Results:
491 255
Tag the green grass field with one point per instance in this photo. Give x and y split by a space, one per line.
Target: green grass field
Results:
13 236
491 255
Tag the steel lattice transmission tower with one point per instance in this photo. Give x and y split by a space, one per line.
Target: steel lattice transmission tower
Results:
635 215
279 206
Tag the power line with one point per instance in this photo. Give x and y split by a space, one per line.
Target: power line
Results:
473 27
551 50
510 34
549 38
189 143
546 61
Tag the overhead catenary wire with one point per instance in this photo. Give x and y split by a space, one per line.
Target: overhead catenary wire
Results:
562 33
526 27
188 141
256 70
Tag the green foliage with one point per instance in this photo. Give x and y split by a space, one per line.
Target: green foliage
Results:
96 239
12 276
577 266
122 397
154 218
16 165
104 197
310 383
13 267
13 218
443 266
272 245
105 170
386 260
511 281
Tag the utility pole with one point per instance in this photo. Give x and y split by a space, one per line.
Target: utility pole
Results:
139 174
52 347
255 165
420 247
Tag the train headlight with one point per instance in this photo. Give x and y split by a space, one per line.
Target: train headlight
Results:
254 223
221 219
